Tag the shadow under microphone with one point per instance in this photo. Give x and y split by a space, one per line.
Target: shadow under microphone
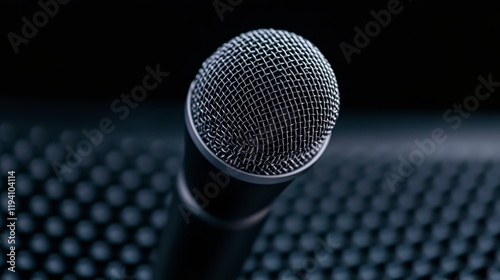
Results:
258 114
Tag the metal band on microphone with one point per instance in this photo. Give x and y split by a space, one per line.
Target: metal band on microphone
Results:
192 206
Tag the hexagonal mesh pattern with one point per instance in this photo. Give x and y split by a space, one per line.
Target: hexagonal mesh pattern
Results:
105 219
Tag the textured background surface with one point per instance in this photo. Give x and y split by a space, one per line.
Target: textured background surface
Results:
103 221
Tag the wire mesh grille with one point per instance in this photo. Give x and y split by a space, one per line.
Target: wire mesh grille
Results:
265 102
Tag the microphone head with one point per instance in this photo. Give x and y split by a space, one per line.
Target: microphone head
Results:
265 102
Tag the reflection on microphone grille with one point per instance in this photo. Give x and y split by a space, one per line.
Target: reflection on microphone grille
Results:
265 102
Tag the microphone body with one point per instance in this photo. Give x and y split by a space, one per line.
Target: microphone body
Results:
206 241
258 114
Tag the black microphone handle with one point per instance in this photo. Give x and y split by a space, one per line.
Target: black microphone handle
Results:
213 241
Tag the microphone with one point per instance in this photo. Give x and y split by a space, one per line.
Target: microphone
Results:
258 114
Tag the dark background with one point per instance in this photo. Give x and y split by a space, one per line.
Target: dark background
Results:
428 57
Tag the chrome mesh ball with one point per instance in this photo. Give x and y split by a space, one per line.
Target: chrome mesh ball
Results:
265 102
